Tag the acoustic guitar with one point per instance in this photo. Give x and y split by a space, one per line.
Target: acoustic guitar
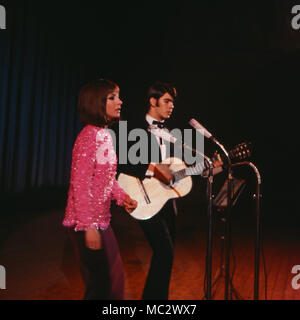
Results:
152 194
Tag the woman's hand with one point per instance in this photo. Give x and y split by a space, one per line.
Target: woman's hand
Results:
93 239
129 204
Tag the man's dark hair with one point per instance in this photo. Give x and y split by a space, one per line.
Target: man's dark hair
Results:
158 89
92 101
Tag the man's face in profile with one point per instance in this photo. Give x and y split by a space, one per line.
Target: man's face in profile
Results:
163 107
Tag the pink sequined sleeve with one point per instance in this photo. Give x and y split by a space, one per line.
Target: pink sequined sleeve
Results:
82 179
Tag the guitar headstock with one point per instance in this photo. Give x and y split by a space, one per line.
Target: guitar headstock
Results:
242 151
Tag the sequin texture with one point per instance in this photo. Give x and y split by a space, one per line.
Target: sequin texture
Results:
93 183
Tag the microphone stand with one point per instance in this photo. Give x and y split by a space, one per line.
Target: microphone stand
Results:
257 197
210 230
209 195
227 219
172 139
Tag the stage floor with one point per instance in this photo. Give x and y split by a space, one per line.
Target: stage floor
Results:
40 263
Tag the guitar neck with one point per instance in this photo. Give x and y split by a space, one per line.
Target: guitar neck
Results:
190 171
240 152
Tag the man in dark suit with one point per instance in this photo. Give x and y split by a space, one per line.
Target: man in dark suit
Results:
160 229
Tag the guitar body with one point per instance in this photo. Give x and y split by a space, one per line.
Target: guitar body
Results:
153 194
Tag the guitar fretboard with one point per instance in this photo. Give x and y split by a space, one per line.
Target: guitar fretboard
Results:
198 169
241 152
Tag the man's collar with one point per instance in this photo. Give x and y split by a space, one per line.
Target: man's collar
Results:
150 119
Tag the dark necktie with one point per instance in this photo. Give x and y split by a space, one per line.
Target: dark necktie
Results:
159 124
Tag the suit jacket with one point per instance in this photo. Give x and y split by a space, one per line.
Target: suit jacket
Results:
147 153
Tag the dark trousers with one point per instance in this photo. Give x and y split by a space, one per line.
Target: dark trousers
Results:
102 270
160 233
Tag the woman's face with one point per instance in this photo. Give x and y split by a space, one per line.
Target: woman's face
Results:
113 105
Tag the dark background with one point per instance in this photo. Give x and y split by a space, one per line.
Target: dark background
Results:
235 64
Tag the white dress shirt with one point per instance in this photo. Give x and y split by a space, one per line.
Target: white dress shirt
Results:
162 145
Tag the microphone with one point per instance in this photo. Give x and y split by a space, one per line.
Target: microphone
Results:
199 127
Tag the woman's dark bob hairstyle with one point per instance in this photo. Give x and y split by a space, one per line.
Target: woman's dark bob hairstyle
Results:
92 102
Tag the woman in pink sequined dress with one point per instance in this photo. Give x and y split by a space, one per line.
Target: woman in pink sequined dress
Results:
93 186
